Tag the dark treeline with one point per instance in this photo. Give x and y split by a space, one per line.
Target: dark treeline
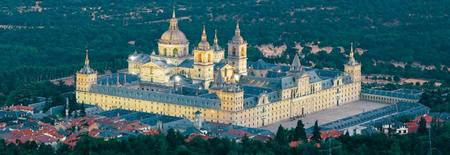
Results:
174 143
437 99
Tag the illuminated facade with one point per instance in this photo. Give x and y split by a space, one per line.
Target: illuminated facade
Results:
232 91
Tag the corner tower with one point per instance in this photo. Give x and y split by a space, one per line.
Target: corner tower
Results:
237 52
203 71
352 67
230 94
86 77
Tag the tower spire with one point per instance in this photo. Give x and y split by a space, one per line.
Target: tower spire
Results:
173 21
216 40
351 56
173 12
87 69
237 38
237 32
203 44
86 60
204 37
296 66
218 80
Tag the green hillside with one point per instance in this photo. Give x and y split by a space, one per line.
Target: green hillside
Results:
37 46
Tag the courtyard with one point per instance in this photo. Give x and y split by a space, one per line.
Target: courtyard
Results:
329 115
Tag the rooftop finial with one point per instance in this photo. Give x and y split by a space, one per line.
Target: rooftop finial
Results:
237 38
204 34
87 69
216 40
203 44
173 21
351 48
238 30
86 60
173 12
351 56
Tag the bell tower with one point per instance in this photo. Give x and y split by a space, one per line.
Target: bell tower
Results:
352 67
86 77
237 52
203 71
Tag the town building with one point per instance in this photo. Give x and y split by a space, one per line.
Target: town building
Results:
174 82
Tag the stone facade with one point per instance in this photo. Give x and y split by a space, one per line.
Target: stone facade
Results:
231 91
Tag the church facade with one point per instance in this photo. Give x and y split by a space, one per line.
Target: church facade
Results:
232 91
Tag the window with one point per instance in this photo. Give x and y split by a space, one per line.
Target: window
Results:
175 52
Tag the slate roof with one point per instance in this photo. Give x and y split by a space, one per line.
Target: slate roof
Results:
260 65
112 79
156 96
188 63
397 94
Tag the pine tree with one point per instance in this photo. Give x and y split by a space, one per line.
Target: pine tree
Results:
395 149
299 131
422 126
281 136
171 138
316 132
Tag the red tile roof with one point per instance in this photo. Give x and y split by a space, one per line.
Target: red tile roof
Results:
294 144
238 132
44 139
193 135
330 133
19 108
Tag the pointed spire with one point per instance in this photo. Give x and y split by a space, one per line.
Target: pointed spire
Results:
204 37
216 40
204 44
351 56
86 59
351 49
87 69
218 80
237 31
173 12
237 38
173 21
296 66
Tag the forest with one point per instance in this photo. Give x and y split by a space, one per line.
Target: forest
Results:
173 142
38 46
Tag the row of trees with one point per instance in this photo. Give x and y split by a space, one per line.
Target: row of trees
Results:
174 143
437 99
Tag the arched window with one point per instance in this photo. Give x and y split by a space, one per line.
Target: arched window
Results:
199 58
234 51
165 52
209 58
175 52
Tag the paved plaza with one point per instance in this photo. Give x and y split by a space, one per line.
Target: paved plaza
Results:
329 115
